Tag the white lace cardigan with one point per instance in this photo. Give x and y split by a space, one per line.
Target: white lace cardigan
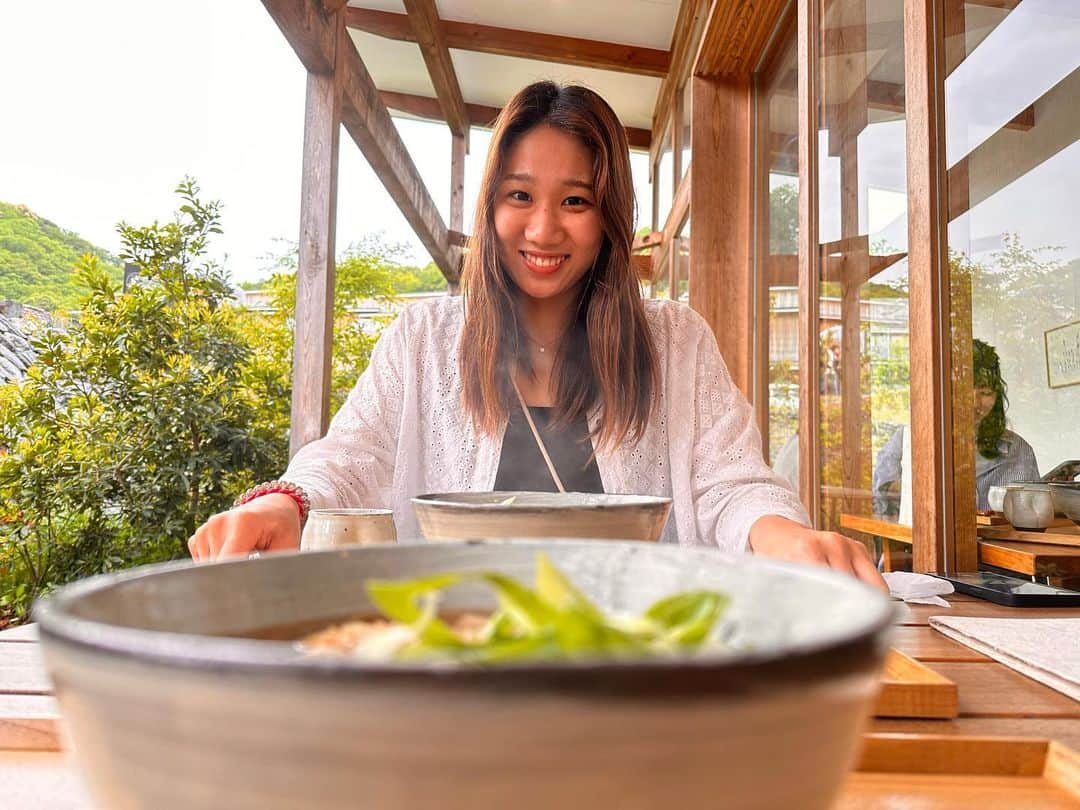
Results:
402 432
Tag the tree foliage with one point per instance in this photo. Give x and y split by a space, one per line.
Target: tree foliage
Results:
153 410
37 259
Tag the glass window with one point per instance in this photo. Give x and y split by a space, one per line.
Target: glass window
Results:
863 293
778 154
1012 121
686 146
665 180
681 258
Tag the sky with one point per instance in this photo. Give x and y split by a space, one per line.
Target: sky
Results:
107 106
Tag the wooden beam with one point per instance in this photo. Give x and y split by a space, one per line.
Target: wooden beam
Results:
680 208
890 96
457 199
314 334
307 30
858 39
457 183
424 19
721 175
427 107
479 114
928 309
367 120
684 44
643 266
735 36
648 241
332 7
809 262
523 44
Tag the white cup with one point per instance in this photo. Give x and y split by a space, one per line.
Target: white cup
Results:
995 498
330 528
1029 507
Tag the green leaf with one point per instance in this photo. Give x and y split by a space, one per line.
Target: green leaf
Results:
398 600
522 606
555 589
687 618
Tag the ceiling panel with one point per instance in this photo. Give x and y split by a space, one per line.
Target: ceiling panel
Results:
489 79
647 23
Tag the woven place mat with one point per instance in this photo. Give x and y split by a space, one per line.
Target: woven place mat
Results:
1046 650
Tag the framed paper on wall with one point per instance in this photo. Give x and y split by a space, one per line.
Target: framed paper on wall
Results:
1063 355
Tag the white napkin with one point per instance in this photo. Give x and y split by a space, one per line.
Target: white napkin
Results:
918 589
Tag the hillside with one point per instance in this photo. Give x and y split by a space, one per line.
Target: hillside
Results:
37 257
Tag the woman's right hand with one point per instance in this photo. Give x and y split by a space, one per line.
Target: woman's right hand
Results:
267 523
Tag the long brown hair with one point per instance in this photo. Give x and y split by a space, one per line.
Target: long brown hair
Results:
606 358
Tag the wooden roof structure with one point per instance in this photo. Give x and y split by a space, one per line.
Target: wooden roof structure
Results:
458 61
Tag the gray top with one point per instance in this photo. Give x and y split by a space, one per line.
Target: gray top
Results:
1016 463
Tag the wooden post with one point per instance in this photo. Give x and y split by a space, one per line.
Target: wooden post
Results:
809 262
965 540
721 174
315 273
458 148
931 405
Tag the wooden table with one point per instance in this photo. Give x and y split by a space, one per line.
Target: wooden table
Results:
999 546
993 700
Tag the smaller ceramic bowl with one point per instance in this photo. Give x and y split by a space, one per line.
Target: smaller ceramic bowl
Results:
480 515
1029 506
1066 497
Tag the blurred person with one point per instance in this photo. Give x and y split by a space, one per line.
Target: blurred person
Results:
1001 456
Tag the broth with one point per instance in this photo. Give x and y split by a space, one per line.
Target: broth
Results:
340 635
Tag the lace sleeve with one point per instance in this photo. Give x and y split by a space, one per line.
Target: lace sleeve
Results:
732 484
353 465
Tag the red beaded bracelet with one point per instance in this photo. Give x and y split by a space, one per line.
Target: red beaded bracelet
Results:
303 502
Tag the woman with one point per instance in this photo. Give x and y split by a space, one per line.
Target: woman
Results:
1001 456
630 396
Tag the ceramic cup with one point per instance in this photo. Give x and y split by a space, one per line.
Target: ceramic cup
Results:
329 528
1029 506
995 497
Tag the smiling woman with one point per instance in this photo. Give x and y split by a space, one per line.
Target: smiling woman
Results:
550 268
554 349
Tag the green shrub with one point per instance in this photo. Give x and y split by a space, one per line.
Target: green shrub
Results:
152 411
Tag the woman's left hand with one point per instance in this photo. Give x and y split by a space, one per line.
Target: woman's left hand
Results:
774 536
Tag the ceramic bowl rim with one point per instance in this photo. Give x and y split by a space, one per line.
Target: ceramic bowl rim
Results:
440 500
853 649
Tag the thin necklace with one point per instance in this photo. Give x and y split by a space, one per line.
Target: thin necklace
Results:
543 347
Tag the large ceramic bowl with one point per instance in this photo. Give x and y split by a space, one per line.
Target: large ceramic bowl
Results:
174 699
470 515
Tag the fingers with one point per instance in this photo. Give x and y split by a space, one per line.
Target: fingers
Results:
266 526
221 535
866 570
839 553
239 542
851 557
197 546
